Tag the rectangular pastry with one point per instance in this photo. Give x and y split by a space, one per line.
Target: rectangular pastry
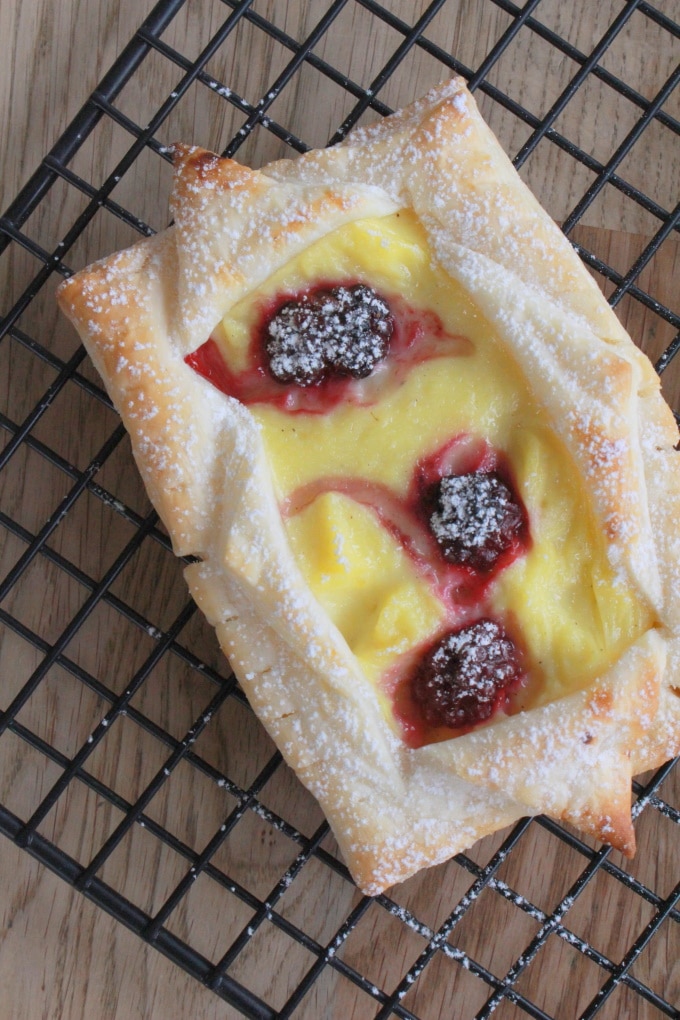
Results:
429 481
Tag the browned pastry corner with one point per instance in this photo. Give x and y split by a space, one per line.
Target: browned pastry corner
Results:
396 802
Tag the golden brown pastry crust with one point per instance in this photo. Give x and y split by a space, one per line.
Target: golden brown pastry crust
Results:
395 810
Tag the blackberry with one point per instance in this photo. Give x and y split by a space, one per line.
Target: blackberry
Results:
339 331
362 329
295 343
476 519
462 679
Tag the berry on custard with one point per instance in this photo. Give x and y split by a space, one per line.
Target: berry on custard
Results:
476 519
465 677
338 331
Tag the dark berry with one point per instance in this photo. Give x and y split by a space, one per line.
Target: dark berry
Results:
476 519
362 328
294 343
341 331
463 679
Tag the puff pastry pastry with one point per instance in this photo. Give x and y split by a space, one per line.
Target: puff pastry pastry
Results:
430 184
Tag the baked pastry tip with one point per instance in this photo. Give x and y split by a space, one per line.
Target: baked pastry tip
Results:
430 482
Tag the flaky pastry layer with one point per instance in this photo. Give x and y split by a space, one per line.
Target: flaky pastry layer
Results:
395 809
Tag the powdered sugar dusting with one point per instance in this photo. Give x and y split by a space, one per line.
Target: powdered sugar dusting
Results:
472 510
345 330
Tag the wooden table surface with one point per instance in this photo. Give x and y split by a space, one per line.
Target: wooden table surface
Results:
61 958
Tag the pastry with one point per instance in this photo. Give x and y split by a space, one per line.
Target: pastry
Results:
429 481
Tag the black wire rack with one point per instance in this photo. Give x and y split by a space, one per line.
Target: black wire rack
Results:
256 843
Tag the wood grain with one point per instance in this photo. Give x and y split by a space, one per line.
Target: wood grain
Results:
61 958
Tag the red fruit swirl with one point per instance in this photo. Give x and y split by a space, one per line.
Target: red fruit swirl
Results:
416 337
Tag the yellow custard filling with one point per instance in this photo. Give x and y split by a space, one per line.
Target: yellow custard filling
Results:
364 580
574 617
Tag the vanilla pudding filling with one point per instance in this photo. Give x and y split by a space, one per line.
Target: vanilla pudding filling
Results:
346 476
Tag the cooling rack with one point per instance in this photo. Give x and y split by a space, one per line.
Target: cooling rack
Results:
130 764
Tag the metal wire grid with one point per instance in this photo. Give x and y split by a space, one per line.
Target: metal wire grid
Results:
168 643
